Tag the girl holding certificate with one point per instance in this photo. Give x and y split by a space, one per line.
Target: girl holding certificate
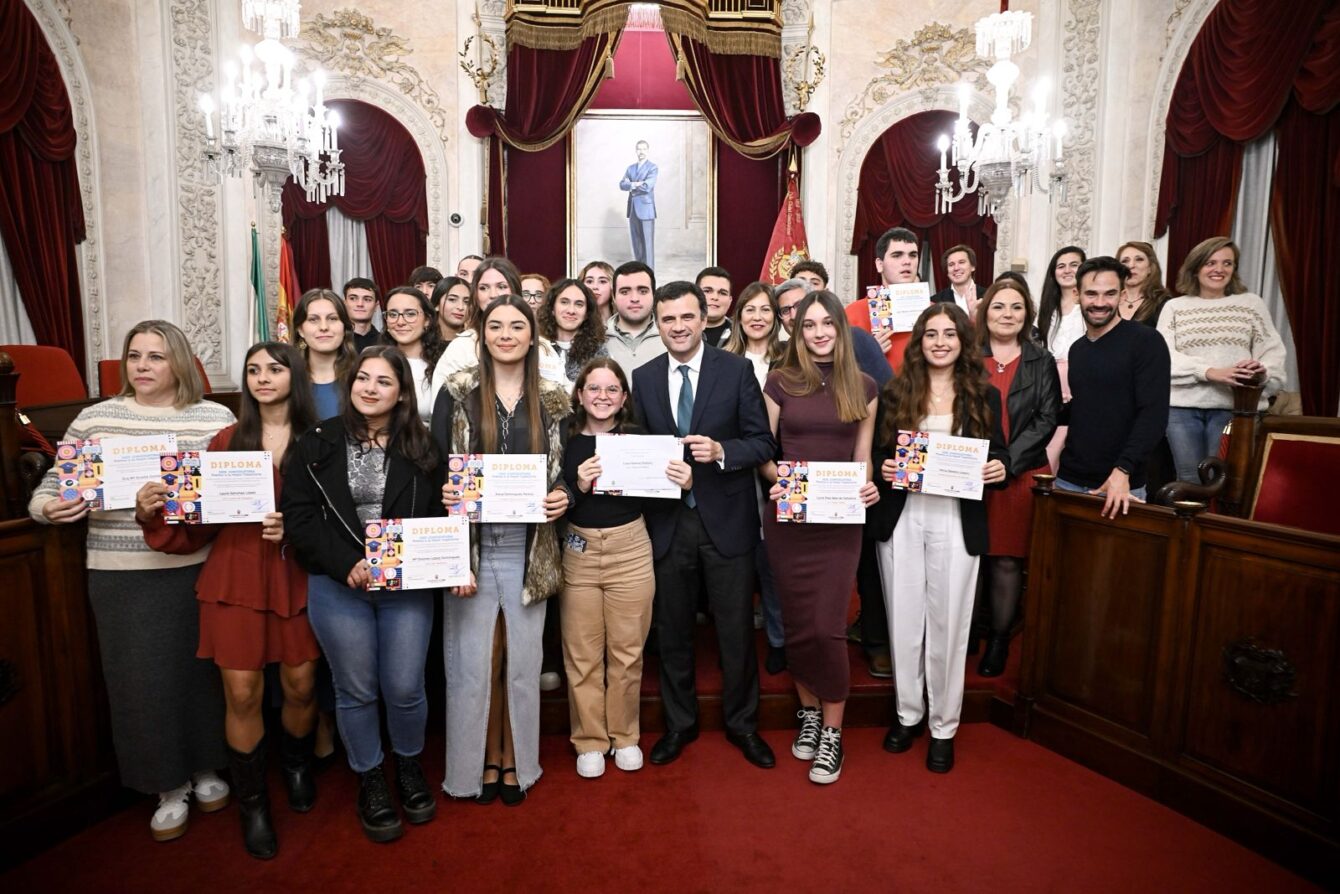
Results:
492 629
822 409
411 326
929 545
166 705
1025 375
608 582
373 461
253 598
325 337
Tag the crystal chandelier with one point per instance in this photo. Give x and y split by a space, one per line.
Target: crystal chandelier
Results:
1007 151
267 124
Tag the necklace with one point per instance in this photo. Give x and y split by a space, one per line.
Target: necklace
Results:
937 399
505 420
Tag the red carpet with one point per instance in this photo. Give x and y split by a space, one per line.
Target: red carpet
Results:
1011 817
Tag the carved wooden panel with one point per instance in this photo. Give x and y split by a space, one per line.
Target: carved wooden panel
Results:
24 719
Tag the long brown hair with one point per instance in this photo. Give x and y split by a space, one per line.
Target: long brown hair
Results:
622 419
800 375
431 344
1049 305
1152 292
346 355
405 434
1188 283
180 358
738 341
488 388
590 334
906 395
509 273
301 405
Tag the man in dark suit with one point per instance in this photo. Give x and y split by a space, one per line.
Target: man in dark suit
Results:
960 263
711 399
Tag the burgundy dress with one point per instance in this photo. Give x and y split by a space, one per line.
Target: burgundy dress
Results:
813 566
1009 511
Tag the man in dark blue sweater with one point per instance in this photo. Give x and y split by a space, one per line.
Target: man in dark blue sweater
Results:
1119 380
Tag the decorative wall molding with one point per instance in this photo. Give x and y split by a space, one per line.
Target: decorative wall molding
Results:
937 54
863 135
196 197
62 9
1079 98
54 19
492 24
423 128
795 12
1183 25
348 43
795 42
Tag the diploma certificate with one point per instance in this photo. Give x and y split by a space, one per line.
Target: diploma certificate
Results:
499 487
897 307
634 465
418 553
820 493
211 487
108 472
934 463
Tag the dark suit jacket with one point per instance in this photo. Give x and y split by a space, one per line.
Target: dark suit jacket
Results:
727 407
947 294
883 517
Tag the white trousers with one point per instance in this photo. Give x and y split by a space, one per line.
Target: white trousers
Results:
929 584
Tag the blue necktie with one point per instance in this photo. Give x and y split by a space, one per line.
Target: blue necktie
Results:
685 416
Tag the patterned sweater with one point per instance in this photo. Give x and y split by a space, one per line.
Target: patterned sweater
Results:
1209 332
115 542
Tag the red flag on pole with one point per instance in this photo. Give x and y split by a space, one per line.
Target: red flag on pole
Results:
789 245
288 291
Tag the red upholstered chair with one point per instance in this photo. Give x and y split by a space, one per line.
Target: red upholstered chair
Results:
1297 484
109 377
47 375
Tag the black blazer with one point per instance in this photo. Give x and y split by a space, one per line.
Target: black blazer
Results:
727 407
883 517
947 294
1034 403
320 519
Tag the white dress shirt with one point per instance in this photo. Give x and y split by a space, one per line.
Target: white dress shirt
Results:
676 378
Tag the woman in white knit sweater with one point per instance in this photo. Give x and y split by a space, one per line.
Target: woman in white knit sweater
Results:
1220 337
166 704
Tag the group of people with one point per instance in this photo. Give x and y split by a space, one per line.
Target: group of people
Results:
360 423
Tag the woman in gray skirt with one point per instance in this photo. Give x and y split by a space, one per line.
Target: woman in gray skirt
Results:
492 629
166 704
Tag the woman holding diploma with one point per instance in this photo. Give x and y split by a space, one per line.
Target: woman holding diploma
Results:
325 337
373 461
492 629
1025 375
608 581
822 409
166 705
929 545
253 597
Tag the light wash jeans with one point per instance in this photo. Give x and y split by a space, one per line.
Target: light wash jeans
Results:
1193 434
1062 484
377 643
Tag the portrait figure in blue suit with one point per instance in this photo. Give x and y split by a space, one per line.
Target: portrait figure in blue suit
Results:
639 181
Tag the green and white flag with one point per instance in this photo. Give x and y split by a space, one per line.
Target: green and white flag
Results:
260 319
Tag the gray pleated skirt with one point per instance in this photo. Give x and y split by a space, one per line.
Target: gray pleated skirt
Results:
467 637
166 704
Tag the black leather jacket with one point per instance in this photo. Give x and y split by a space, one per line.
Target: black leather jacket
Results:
1034 405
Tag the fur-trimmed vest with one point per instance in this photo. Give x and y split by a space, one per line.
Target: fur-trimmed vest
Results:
453 426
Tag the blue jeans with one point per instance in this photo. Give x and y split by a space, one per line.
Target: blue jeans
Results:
1062 484
377 643
1193 434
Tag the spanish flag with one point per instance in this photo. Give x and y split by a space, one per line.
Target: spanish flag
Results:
789 245
289 291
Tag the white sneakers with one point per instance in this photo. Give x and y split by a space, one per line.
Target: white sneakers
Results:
211 792
169 819
628 758
590 764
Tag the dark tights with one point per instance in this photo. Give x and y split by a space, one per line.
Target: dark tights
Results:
1006 584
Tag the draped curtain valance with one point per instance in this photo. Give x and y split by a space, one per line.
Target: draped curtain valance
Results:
565 24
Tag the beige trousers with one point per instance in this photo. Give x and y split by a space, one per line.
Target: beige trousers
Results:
606 613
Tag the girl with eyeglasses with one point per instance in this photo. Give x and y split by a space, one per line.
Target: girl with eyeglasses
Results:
412 327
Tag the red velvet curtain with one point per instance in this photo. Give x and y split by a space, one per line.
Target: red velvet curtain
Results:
741 98
897 189
384 186
547 91
41 210
749 193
